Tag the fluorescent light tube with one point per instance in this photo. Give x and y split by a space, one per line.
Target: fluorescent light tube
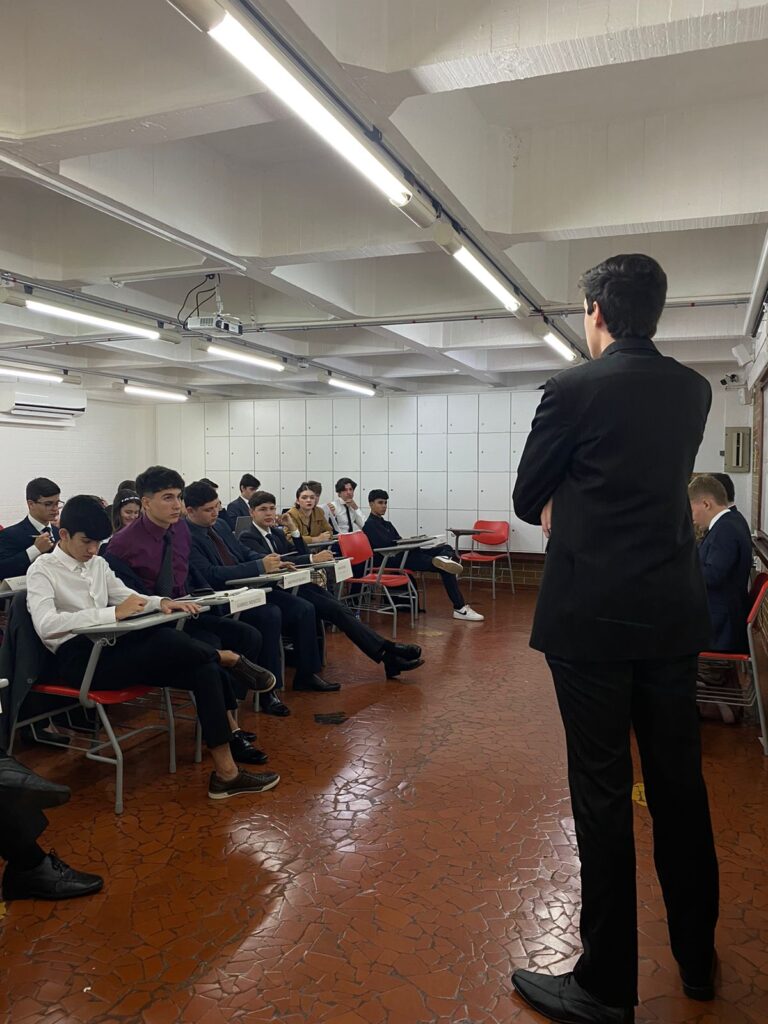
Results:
141 392
241 356
285 83
47 378
348 385
560 346
93 321
486 279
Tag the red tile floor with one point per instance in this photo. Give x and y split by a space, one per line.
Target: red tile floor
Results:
410 859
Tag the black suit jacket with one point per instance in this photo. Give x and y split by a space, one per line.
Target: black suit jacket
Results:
206 562
235 509
726 560
294 551
613 443
14 541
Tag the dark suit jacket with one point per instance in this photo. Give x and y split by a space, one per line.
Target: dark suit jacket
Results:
613 442
381 533
14 541
235 509
24 661
726 559
205 560
294 551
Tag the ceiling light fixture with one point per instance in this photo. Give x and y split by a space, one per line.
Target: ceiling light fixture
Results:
349 385
453 243
165 396
242 356
559 346
45 378
93 321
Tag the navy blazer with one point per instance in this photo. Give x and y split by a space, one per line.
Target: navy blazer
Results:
14 541
205 561
294 551
726 560
235 509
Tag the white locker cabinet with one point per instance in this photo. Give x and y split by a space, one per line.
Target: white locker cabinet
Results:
402 490
241 454
319 417
495 413
320 453
432 414
524 405
286 497
192 464
492 492
374 416
293 418
462 414
168 423
517 444
406 522
432 490
433 452
433 521
293 456
346 452
462 453
346 416
241 419
217 419
402 453
216 455
266 418
462 490
464 519
525 537
403 415
374 453
224 480
266 455
493 454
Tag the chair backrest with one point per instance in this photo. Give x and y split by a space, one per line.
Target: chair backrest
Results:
355 546
756 587
495 531
759 598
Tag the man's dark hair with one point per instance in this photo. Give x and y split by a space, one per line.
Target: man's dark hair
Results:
249 480
261 498
199 493
158 478
127 485
123 497
42 487
728 487
630 290
84 514
377 493
341 484
211 483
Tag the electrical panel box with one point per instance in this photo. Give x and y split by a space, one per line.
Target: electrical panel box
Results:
738 449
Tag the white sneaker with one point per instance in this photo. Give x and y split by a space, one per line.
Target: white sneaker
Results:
448 565
468 614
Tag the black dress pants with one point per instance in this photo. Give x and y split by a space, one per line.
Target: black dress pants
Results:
19 828
161 656
600 702
225 634
420 560
269 622
339 615
298 621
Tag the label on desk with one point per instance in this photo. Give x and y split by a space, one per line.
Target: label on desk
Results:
295 579
343 569
247 599
14 583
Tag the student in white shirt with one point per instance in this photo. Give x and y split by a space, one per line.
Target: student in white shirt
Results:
74 587
344 514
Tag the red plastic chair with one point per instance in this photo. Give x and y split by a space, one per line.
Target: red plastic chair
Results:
494 533
376 582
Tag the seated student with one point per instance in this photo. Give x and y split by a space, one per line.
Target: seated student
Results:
382 534
31 873
307 518
317 487
74 586
125 509
263 538
730 494
344 514
35 535
239 507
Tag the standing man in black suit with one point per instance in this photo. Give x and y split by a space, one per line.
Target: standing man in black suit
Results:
621 616
35 535
239 507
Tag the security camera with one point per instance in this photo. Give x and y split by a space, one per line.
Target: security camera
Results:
729 380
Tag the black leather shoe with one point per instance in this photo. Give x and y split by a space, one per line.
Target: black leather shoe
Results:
408 652
315 683
394 666
243 752
51 880
250 736
271 704
700 987
27 788
562 999
253 676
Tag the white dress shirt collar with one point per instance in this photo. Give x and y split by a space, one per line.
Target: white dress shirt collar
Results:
718 516
39 526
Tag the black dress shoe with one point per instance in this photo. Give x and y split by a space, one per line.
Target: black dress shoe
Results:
394 666
250 736
243 752
700 986
315 683
27 788
271 704
562 999
51 880
408 652
253 676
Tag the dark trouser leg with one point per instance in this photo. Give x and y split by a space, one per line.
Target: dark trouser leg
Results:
666 724
162 656
269 622
420 560
19 832
228 635
595 701
328 608
299 622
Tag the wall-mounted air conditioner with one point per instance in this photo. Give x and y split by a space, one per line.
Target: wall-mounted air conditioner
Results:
41 404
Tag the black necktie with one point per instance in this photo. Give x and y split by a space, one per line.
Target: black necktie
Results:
270 545
164 584
349 518
224 553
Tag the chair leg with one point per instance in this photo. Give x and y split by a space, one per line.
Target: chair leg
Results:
171 731
511 578
493 580
107 726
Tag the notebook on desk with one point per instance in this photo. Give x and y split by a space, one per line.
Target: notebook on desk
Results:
413 540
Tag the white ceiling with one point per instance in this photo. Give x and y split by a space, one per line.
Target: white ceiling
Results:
557 132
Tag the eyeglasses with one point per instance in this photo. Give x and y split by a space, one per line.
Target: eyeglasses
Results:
49 504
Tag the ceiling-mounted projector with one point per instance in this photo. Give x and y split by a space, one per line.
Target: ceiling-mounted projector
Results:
217 324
